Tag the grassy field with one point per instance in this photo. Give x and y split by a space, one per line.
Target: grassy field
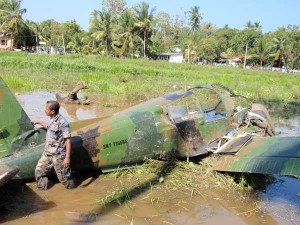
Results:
139 78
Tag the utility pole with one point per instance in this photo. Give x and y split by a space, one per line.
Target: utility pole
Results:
63 40
36 43
93 43
12 41
245 58
188 54
144 44
5 39
57 44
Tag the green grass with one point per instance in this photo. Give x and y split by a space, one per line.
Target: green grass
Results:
139 78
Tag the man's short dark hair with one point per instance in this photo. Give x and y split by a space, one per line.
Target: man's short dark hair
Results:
53 105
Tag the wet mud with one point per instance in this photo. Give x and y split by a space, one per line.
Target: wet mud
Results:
278 204
78 206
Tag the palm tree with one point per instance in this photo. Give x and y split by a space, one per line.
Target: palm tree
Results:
261 51
279 44
293 52
127 37
11 16
248 24
193 42
78 43
38 31
144 20
195 18
101 27
257 26
208 28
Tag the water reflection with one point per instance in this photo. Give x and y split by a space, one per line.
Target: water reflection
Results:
283 201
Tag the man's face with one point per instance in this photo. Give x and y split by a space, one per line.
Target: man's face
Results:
48 111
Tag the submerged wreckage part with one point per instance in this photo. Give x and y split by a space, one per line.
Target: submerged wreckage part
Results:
206 118
72 97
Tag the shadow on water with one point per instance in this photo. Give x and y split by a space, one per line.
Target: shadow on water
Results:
17 201
84 179
128 194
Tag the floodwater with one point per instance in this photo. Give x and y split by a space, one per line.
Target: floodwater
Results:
278 204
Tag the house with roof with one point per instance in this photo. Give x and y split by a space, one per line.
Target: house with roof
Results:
171 57
6 41
234 61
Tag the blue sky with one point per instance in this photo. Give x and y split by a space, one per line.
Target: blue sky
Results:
270 13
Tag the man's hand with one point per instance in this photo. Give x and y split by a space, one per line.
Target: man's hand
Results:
43 124
34 122
66 162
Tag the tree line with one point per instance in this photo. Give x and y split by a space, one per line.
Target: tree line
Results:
141 31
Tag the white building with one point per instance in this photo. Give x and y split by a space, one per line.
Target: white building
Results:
171 57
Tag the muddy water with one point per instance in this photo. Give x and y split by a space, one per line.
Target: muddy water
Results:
279 204
34 105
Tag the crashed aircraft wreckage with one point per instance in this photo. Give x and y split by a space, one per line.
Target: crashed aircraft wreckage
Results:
206 118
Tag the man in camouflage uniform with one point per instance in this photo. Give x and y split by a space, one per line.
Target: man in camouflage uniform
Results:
57 149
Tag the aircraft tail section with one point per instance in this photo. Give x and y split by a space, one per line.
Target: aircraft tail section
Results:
13 120
271 155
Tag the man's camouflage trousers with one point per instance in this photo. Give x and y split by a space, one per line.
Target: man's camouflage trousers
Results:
45 166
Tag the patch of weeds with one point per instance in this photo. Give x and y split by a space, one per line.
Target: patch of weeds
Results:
124 78
172 175
253 181
116 174
118 194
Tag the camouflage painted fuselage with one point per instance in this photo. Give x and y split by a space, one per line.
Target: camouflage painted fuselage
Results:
163 125
182 124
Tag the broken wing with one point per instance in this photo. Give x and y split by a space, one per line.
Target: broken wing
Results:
271 155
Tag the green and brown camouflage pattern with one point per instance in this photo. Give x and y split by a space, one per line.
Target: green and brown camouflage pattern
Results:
14 121
182 124
264 155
